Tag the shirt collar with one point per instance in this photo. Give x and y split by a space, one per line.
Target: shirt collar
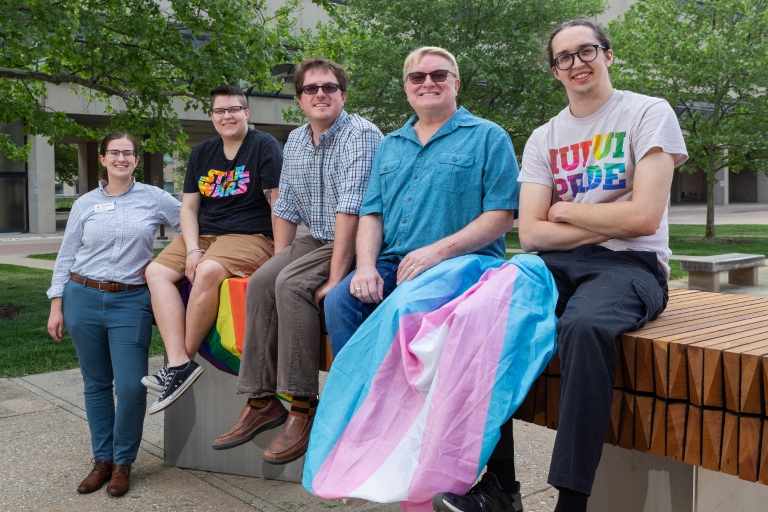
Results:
104 183
337 125
462 117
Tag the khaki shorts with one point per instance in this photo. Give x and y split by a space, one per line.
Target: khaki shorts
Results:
240 254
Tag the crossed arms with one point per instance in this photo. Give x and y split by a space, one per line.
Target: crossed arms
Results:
564 225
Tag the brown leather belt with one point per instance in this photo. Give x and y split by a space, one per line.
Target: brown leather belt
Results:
105 286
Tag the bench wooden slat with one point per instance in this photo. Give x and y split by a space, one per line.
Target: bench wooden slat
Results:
614 421
659 431
627 425
763 476
676 416
749 447
729 458
644 406
693 436
711 438
752 381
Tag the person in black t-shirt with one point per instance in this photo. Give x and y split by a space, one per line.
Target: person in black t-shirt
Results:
226 225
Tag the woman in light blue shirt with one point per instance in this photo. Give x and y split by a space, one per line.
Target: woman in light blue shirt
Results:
98 293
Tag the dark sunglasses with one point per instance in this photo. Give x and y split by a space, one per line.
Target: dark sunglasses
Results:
312 89
438 75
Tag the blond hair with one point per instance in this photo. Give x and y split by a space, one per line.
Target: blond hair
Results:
416 55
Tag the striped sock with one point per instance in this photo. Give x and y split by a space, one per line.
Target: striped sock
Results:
259 403
304 405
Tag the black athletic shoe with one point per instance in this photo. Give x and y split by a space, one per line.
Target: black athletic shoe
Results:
156 381
176 383
485 496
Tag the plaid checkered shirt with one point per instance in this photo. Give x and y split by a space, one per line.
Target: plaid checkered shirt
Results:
317 182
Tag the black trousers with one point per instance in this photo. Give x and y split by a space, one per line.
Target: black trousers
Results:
602 293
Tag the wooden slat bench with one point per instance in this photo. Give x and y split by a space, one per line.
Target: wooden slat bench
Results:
690 386
704 271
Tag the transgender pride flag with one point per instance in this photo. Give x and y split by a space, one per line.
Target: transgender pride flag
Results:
413 403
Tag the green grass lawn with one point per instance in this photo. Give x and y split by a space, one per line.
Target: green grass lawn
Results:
689 240
25 345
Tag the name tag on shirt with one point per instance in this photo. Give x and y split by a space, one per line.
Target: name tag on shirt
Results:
104 207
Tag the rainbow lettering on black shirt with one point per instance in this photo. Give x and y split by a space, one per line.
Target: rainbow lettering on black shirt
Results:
224 183
572 174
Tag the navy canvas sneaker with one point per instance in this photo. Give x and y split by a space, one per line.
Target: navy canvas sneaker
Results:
156 381
484 496
176 383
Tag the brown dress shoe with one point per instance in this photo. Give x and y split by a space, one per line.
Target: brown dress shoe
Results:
101 472
121 480
252 422
292 440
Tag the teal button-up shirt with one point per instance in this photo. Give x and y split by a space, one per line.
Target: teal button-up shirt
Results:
426 193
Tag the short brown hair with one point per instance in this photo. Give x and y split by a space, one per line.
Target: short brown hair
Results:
597 29
320 63
416 55
229 90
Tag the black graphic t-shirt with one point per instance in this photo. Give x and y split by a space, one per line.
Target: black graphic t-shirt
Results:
232 197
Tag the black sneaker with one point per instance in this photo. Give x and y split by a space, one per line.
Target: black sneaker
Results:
156 381
176 383
485 496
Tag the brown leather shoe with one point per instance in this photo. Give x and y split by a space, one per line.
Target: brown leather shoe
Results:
252 422
101 472
292 440
121 480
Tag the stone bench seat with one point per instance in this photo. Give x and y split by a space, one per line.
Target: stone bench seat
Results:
703 271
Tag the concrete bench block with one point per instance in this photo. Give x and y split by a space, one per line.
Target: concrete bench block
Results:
743 276
707 281
210 408
656 484
703 271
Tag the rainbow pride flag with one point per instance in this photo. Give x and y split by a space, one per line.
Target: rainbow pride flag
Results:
223 345
413 403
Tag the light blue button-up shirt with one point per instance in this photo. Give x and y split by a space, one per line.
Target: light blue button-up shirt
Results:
426 193
109 238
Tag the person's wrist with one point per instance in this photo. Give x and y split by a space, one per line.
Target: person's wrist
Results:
191 251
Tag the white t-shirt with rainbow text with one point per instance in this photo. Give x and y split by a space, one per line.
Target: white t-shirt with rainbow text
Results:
592 159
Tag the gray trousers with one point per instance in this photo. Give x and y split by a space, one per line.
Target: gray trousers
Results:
281 345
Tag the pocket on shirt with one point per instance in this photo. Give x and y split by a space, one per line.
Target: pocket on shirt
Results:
388 178
453 172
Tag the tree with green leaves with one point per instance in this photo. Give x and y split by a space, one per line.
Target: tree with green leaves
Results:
498 44
143 59
708 58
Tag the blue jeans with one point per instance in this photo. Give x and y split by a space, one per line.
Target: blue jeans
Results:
111 332
344 313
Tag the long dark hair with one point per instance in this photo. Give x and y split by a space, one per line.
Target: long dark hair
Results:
597 29
115 136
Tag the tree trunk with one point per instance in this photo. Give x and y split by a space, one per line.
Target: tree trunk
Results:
711 181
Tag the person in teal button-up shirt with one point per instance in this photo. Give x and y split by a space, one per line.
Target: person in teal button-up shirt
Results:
444 185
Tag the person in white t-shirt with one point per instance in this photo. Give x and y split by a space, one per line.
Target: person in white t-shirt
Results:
593 203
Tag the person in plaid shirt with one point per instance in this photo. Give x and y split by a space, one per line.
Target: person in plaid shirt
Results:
326 168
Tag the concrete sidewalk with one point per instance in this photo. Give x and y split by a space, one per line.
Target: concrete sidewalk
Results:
46 449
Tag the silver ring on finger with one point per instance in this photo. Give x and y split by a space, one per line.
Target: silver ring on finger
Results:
358 290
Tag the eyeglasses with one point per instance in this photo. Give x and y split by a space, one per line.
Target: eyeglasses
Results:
115 153
232 110
438 75
312 89
586 54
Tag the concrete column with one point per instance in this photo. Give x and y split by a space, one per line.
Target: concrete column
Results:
721 187
41 190
87 166
762 187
